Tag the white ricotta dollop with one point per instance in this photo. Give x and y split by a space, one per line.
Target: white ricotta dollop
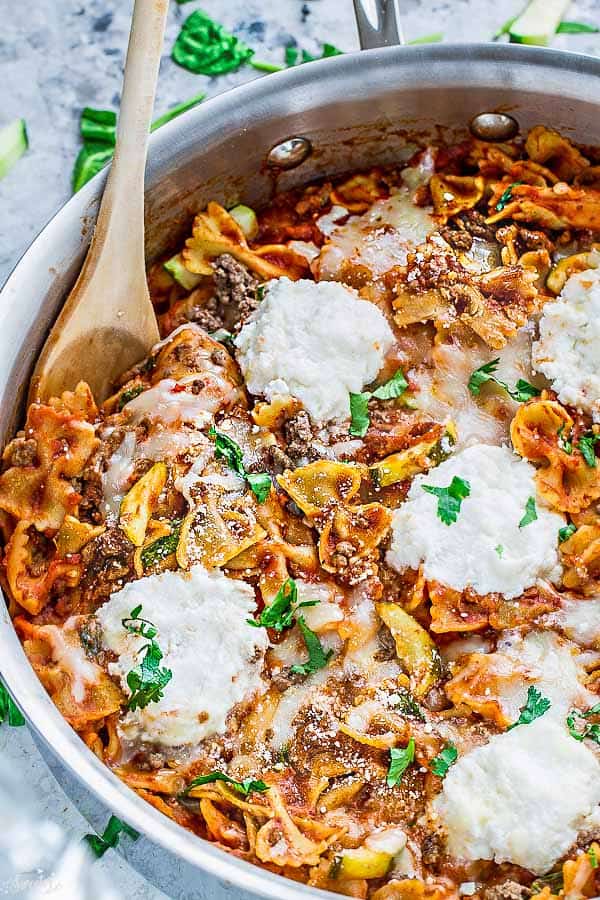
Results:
484 549
568 349
216 658
521 798
316 341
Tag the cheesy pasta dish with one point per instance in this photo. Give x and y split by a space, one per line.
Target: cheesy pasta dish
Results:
320 581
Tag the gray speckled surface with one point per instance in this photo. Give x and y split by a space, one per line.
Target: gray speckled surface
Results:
57 56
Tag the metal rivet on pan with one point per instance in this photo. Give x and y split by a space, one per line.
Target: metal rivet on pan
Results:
289 154
494 127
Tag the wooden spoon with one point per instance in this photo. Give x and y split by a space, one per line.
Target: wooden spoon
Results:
107 323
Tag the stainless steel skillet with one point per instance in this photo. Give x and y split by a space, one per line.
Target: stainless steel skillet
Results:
354 110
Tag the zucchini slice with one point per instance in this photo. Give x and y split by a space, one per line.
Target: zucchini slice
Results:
538 23
13 144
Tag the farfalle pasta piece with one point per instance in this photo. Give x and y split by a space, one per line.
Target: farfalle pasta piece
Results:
33 567
416 889
360 191
215 232
557 207
481 682
549 148
280 842
140 501
564 480
43 492
581 559
212 535
351 533
191 351
320 484
454 193
79 687
453 610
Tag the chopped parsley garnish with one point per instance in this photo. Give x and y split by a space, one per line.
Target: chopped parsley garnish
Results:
317 657
9 711
440 764
564 441
227 450
566 531
535 707
128 395
579 728
222 336
408 706
506 197
530 513
99 844
280 613
553 880
359 403
162 546
148 680
499 549
245 787
400 760
206 48
586 445
521 392
593 856
449 498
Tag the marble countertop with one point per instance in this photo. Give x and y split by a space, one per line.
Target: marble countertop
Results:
57 56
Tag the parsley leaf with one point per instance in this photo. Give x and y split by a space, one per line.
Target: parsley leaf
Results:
566 531
293 56
162 546
535 707
400 760
148 680
128 395
359 403
9 711
110 837
530 513
280 613
245 787
593 856
317 657
206 48
449 498
553 880
227 450
408 706
506 196
586 445
565 443
522 391
440 764
579 728
359 414
499 549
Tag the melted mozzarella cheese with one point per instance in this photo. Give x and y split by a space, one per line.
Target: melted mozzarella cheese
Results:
216 658
521 798
465 553
579 620
568 350
545 660
379 239
317 342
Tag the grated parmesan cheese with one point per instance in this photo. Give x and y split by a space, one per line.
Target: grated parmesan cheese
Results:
465 554
317 342
216 658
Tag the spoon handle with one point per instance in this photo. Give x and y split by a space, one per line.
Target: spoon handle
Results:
378 23
122 223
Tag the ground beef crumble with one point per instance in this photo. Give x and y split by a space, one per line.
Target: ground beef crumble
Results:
107 563
509 890
235 291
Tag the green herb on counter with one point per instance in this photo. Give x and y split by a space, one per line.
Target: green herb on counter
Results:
99 844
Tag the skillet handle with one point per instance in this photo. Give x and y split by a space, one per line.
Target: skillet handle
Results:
378 23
